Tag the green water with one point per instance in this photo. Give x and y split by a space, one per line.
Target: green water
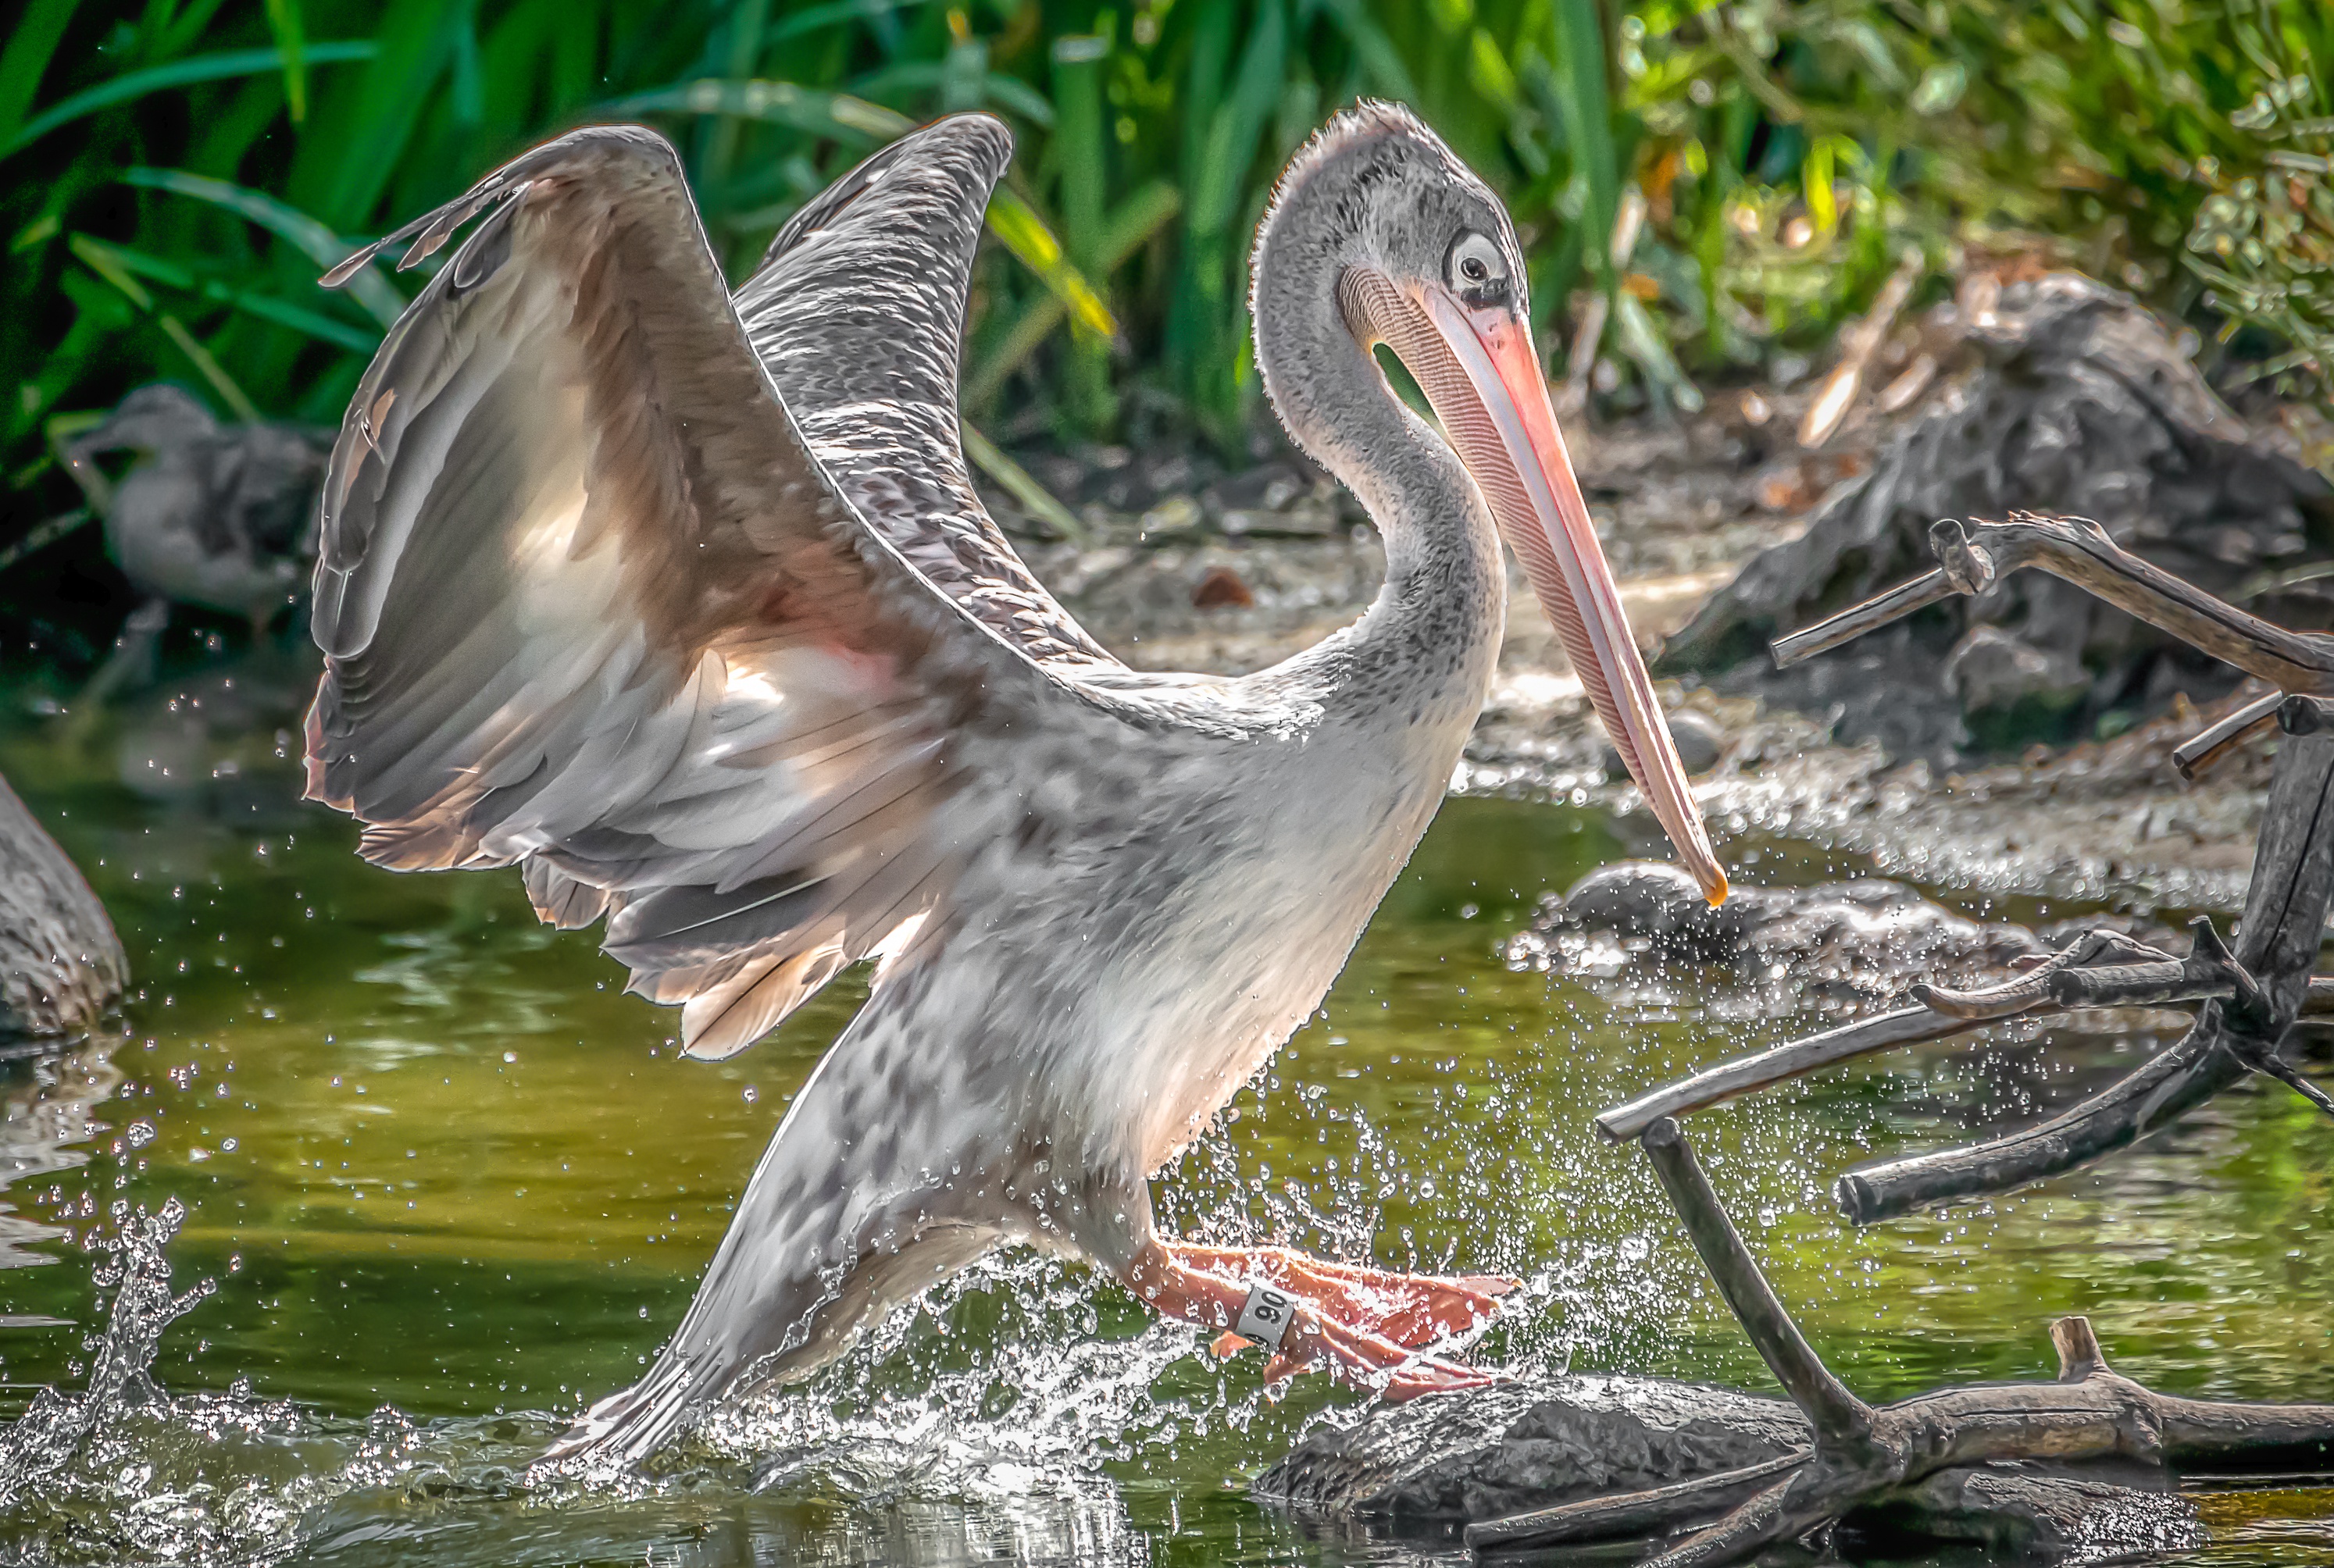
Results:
452 1185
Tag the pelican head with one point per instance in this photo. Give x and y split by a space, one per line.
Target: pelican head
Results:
1378 235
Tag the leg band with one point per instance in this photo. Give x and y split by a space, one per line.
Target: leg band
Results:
1264 1315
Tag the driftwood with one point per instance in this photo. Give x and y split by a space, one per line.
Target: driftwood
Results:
1930 1455
60 963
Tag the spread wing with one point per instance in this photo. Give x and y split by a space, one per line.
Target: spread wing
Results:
858 311
589 605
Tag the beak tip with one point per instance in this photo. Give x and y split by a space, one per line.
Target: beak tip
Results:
1715 891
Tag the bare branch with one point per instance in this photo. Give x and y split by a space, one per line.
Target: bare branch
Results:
2276 1066
1633 1514
2072 978
2034 988
2078 1349
1763 1519
1839 1417
1904 600
2200 752
2278 939
2209 971
1905 1026
1974 558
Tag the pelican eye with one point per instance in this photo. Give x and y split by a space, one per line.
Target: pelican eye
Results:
1477 271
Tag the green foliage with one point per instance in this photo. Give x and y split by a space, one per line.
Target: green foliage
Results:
175 174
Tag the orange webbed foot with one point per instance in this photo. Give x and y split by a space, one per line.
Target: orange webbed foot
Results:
1364 1324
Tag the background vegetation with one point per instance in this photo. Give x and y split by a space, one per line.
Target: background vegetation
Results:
177 172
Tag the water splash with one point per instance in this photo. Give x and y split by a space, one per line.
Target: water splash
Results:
991 1413
59 1426
1007 1380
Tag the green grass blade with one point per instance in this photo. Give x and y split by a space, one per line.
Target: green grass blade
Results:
1016 224
748 21
184 29
806 108
107 263
299 318
284 22
27 59
1239 123
136 84
43 535
1130 227
363 135
1381 62
1580 55
996 88
99 258
314 239
1082 154
138 263
1643 342
838 12
964 76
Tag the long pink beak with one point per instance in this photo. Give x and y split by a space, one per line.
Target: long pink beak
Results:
1497 415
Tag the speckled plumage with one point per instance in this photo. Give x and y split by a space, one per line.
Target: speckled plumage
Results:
720 645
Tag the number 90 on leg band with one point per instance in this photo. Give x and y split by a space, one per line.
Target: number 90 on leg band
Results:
1265 1316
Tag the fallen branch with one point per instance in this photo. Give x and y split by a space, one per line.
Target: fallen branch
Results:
2098 969
1973 558
2199 752
1866 1458
1859 340
1934 1458
2241 1030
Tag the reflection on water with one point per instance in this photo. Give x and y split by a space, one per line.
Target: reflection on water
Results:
451 1184
52 1092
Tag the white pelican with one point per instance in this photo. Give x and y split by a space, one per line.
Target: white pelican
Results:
683 603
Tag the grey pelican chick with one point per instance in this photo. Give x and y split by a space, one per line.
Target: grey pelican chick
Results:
680 603
220 517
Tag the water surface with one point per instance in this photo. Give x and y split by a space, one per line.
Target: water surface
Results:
451 1184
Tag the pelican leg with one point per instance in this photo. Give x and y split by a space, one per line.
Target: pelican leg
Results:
1320 1334
1409 1309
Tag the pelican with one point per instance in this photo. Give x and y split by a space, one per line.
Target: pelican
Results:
683 602
217 516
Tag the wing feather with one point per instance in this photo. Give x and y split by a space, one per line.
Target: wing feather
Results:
591 604
858 311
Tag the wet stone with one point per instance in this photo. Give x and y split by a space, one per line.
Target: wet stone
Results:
2010 689
1450 1459
1700 743
60 963
1838 944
